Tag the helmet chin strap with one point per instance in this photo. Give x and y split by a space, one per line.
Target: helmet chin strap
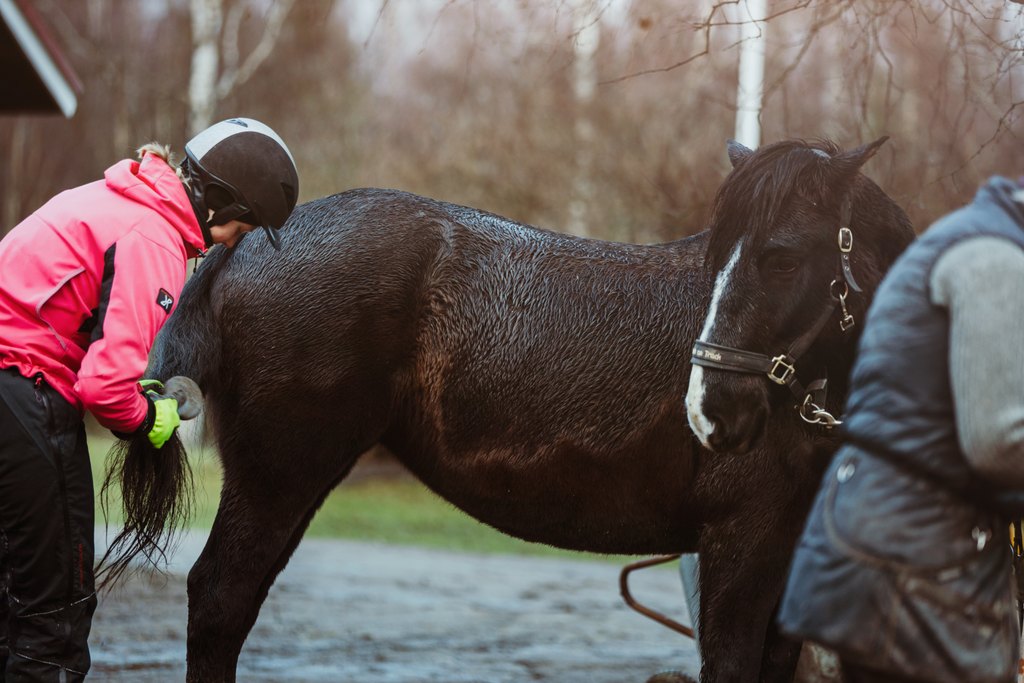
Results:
228 214
204 223
207 218
204 216
195 198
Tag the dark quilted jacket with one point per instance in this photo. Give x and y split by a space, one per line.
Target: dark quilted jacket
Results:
904 564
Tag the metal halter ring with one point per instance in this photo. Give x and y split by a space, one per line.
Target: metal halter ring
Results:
818 415
841 297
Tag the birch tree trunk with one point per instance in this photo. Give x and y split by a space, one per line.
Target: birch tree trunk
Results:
207 17
586 30
751 81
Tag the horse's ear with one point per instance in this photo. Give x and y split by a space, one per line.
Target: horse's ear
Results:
847 164
737 152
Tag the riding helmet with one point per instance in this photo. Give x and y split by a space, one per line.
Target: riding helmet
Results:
241 169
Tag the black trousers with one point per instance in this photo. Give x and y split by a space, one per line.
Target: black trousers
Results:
47 594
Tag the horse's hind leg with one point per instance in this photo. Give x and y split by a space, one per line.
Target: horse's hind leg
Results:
266 505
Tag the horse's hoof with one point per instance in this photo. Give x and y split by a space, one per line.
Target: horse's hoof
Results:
670 677
188 395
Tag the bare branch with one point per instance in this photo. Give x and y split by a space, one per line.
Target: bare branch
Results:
704 27
229 44
373 29
275 21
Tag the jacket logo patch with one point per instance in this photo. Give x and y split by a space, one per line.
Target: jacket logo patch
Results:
165 301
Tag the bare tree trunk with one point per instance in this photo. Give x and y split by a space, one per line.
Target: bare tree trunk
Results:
587 33
207 17
751 82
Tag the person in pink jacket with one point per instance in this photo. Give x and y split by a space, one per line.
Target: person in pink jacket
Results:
86 282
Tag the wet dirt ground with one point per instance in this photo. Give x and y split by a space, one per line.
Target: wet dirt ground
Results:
374 613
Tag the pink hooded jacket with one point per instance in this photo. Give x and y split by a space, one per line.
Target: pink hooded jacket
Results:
88 280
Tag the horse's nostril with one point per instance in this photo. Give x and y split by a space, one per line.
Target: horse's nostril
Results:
740 433
716 425
716 437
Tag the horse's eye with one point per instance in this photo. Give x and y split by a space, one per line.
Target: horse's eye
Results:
783 265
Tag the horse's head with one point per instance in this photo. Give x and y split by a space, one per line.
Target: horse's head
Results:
799 240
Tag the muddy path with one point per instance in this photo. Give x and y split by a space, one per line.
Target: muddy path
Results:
374 613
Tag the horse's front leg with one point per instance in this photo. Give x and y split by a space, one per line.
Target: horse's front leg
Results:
781 654
743 563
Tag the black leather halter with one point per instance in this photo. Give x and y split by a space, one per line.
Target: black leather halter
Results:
781 369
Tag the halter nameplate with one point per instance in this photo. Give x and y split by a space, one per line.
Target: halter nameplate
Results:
779 369
720 357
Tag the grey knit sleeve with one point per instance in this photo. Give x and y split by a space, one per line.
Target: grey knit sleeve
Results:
981 282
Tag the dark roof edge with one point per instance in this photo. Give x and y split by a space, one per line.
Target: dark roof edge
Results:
43 52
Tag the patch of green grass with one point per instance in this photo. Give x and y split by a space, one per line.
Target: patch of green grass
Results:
389 509
403 511
206 476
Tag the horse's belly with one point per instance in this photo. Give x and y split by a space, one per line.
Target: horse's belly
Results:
628 505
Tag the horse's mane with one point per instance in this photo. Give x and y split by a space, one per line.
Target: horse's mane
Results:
752 195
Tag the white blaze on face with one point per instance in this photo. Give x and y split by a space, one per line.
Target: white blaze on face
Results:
699 423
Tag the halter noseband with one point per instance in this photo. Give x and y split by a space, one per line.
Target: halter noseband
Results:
781 369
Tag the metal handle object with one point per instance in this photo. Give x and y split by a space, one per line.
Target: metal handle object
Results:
647 611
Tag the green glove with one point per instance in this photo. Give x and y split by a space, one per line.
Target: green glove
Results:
151 385
165 419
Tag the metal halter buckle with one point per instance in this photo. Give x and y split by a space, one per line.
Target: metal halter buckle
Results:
845 240
787 370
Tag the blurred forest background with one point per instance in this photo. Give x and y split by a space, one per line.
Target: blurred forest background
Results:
600 117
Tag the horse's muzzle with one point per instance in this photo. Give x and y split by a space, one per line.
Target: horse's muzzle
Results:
728 412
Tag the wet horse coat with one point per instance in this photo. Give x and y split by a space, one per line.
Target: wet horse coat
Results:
533 379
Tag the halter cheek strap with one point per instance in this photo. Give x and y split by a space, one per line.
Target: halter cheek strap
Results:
846 245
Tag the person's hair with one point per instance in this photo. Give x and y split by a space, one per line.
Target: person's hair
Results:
164 152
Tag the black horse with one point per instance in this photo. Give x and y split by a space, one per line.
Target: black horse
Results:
533 379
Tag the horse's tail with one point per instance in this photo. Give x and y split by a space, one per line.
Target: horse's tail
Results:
156 484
